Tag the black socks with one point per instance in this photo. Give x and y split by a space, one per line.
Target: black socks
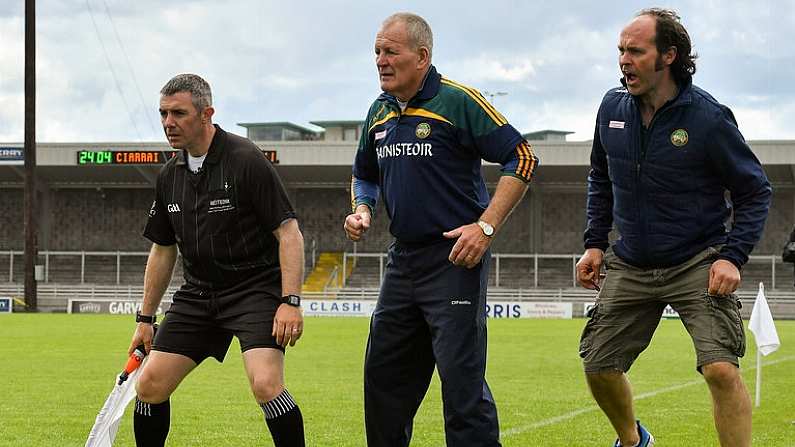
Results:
151 423
284 421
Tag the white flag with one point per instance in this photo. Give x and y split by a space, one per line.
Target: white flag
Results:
103 433
761 324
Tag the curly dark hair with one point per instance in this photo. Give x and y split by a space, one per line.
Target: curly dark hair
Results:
670 32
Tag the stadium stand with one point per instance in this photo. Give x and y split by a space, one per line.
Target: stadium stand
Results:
101 210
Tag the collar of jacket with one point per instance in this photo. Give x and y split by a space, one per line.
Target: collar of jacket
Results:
428 89
684 97
213 153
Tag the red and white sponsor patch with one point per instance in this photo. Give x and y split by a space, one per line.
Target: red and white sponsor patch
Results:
380 135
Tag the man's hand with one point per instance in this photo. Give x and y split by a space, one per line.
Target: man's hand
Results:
724 278
288 325
588 268
357 224
469 247
144 332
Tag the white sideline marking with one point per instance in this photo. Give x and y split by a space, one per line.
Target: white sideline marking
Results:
572 414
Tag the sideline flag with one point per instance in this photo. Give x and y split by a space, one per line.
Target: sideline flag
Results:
103 433
107 423
761 324
765 335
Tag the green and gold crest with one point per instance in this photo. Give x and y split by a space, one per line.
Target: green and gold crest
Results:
679 137
423 130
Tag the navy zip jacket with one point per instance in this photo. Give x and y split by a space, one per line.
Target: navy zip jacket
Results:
426 159
665 186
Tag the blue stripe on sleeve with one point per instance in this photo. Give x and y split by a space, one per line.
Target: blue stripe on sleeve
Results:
365 192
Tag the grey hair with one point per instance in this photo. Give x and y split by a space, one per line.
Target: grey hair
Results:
199 89
420 34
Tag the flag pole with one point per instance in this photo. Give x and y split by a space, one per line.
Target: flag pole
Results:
758 376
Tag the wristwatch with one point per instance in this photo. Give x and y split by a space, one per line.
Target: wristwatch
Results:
292 300
486 227
140 318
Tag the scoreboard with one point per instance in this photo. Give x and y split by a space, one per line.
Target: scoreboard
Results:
140 157
123 157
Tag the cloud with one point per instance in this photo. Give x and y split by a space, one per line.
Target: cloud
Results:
300 61
766 123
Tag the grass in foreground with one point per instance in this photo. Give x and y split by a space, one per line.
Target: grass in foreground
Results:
57 370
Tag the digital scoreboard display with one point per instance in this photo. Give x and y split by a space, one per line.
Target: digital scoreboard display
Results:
123 157
137 157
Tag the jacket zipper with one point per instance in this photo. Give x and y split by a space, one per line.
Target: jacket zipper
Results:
639 168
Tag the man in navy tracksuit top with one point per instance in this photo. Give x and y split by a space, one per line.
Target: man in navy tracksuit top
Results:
664 154
424 141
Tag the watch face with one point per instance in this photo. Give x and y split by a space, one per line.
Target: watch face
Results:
293 300
488 230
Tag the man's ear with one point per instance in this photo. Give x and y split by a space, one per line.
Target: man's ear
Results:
670 56
207 114
425 58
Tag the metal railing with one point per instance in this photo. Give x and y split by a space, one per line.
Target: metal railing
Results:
535 263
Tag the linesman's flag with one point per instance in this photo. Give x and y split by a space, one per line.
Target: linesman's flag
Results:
761 324
765 335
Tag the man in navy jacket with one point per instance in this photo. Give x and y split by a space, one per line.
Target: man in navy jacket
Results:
664 155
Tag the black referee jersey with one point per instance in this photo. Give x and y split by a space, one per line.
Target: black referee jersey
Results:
222 217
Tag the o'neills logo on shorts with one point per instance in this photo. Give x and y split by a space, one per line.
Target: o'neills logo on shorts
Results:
405 150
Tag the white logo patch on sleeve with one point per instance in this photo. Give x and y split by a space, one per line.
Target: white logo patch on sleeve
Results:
616 124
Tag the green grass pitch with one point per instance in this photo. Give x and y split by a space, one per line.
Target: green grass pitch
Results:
56 371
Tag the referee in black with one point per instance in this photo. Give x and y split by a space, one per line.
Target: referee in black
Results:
221 202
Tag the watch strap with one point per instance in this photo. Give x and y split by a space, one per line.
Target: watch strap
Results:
292 300
140 318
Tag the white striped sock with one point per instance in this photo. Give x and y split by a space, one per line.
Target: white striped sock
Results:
143 408
280 405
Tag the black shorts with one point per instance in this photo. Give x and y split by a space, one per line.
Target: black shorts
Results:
200 324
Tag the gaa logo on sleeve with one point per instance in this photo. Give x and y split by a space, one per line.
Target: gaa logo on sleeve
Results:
679 137
423 130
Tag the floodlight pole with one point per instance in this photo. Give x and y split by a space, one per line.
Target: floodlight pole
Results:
492 95
31 245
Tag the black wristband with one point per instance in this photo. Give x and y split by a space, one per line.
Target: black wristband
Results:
140 318
292 300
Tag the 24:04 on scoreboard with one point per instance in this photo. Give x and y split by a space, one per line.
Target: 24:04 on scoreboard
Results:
137 157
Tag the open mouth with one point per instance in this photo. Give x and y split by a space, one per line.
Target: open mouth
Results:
630 78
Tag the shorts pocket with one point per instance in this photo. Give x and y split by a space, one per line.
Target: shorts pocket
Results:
607 259
727 323
588 333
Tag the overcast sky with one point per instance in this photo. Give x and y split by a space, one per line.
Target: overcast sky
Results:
302 61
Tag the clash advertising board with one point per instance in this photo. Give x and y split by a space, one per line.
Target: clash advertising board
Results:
338 308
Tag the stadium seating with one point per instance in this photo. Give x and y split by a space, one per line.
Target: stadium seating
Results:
366 271
109 220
